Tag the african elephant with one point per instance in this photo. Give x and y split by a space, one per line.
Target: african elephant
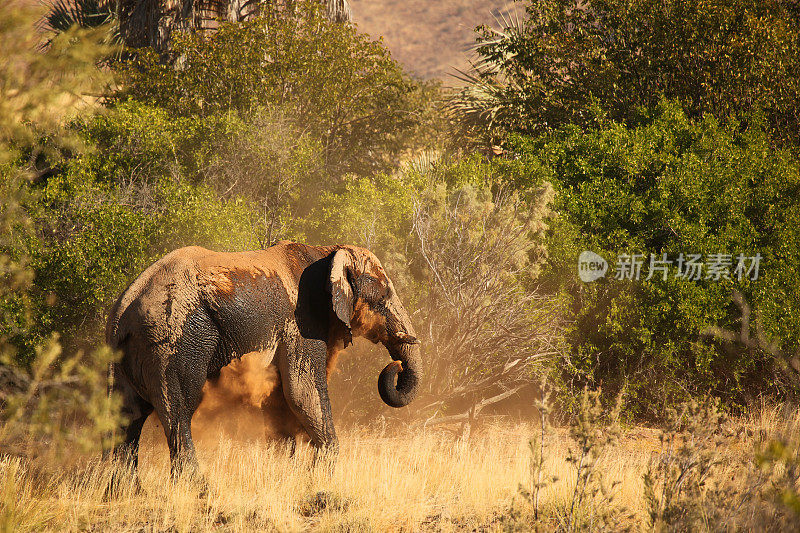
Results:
193 311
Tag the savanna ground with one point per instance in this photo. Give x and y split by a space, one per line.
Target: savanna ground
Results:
410 480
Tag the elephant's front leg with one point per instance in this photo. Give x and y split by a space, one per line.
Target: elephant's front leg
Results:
305 386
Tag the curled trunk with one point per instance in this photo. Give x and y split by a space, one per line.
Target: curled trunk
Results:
398 383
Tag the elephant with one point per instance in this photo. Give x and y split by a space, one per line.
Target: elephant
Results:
296 306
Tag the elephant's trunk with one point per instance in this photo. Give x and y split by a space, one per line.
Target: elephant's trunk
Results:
406 368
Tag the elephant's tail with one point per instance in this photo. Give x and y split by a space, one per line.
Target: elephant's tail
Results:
113 338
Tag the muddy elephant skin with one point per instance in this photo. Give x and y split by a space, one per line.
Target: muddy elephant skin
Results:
195 310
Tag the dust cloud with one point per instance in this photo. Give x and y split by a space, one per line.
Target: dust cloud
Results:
244 404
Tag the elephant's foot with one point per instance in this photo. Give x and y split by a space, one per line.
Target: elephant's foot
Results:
193 480
325 458
124 481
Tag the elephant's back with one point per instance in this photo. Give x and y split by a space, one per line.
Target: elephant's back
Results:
156 296
157 303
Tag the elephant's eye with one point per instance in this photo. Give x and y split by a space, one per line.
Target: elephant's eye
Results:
371 289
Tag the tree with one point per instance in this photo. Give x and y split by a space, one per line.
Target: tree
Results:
152 22
336 84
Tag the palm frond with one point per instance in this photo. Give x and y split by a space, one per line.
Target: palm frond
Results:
64 14
86 14
479 100
508 25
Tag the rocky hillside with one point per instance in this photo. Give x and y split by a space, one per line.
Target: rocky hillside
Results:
429 37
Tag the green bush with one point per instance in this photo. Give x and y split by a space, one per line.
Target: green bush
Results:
90 242
137 143
719 57
670 185
266 159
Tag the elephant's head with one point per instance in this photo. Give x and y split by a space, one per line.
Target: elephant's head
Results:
364 299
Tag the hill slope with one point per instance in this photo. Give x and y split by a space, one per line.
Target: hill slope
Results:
429 37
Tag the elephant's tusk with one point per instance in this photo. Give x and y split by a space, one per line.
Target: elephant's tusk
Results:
406 338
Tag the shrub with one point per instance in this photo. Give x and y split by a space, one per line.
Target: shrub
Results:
670 185
462 250
335 83
266 159
137 144
276 165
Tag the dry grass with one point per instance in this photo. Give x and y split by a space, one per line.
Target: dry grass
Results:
417 481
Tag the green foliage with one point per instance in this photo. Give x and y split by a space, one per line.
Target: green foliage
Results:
374 213
588 81
38 90
112 211
137 144
16 277
722 58
276 165
44 407
333 82
266 159
91 242
671 185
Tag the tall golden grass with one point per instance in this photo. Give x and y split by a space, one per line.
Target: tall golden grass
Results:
419 480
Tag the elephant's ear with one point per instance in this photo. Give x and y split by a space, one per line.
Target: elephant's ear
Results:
341 289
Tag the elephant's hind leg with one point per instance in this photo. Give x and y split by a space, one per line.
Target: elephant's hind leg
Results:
182 453
179 400
134 411
182 389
